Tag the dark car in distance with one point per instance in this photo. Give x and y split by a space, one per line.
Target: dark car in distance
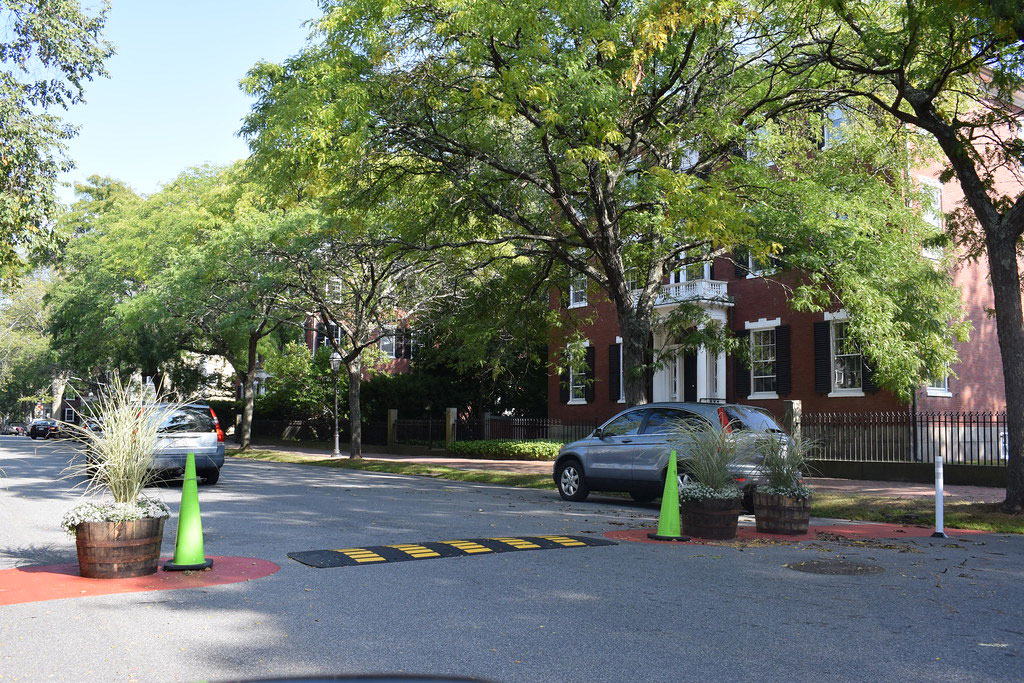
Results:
43 429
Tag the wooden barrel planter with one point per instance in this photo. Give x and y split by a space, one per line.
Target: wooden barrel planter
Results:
119 550
781 514
713 518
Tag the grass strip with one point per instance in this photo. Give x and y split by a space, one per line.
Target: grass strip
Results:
532 481
918 511
891 509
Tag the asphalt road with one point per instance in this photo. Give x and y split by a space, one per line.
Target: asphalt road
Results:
940 610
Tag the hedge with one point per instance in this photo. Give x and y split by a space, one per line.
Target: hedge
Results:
506 450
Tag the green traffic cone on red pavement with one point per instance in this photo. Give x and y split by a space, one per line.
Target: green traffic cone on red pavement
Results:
188 546
668 520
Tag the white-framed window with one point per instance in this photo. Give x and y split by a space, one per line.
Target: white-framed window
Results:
832 130
938 386
758 267
931 212
698 270
763 368
387 342
334 289
847 364
69 414
577 290
762 361
577 374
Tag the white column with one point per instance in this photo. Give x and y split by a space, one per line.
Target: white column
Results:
720 389
703 390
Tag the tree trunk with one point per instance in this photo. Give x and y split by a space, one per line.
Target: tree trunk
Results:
248 394
1002 260
355 377
636 331
57 387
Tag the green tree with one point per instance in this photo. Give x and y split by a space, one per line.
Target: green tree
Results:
28 364
48 50
622 140
187 270
954 71
358 284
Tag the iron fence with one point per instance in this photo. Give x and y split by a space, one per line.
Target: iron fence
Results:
961 438
520 429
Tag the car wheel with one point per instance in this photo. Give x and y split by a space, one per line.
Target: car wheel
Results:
643 496
210 477
571 483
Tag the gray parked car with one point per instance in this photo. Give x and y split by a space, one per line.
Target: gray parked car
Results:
630 451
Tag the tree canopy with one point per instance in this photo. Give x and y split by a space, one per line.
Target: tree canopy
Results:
48 51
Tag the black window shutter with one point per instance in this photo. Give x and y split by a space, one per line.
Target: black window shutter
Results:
822 357
741 373
649 367
783 364
740 258
614 369
690 377
589 390
868 373
563 387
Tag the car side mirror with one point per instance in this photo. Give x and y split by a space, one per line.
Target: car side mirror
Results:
599 433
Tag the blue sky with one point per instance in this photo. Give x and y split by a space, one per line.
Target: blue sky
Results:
172 99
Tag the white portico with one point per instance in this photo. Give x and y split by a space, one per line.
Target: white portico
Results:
694 376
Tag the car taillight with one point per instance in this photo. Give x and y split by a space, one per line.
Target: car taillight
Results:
740 480
724 420
216 427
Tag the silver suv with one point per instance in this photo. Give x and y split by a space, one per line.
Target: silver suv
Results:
195 429
630 451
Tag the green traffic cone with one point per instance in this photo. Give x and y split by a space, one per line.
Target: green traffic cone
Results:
668 520
188 547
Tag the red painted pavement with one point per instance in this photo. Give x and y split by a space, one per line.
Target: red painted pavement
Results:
58 581
852 531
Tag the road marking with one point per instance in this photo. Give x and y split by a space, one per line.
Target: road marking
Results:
403 552
468 546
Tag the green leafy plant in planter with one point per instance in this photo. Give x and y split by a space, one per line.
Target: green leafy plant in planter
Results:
782 505
118 530
709 498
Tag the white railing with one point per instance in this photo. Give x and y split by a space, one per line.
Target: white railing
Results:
715 291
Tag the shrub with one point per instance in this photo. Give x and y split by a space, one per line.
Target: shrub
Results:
506 450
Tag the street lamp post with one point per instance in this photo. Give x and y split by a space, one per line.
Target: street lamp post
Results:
336 367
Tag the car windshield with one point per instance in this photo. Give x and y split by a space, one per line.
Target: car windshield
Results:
188 419
752 419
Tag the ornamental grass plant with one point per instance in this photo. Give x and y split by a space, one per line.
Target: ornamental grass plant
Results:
784 466
116 457
707 455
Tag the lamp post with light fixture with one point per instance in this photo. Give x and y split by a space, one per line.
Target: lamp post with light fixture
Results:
336 367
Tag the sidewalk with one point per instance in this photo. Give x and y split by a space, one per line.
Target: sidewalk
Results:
970 494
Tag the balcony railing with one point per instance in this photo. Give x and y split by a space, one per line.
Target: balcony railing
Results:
713 291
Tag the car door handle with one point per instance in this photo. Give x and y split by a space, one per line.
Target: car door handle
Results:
627 441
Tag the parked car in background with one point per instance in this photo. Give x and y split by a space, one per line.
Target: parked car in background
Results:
14 428
43 429
630 451
192 428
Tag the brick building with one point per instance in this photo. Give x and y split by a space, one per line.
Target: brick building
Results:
794 355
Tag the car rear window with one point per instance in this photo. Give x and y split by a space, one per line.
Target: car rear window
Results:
188 419
752 419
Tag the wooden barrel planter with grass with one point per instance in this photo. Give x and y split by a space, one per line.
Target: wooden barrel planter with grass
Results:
711 518
119 550
781 514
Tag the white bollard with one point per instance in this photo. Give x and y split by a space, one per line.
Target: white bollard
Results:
939 522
